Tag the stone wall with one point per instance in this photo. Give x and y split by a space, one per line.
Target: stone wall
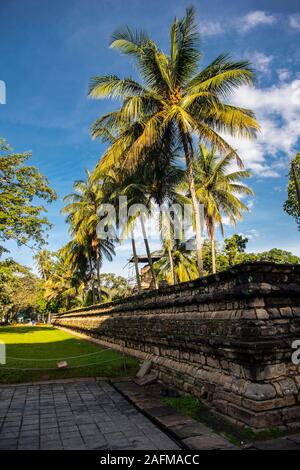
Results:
225 339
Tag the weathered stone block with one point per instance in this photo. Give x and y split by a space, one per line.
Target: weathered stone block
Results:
262 314
144 369
271 372
286 312
288 387
259 406
260 392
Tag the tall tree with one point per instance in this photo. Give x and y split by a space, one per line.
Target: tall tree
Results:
43 260
233 248
173 94
63 283
81 210
292 204
219 190
18 290
152 181
20 186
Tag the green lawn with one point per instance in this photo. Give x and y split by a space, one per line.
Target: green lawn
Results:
33 352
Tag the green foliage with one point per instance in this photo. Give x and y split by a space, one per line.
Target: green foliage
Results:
84 254
116 287
234 247
64 285
234 252
20 185
184 263
18 290
44 262
175 96
186 404
292 204
219 189
275 255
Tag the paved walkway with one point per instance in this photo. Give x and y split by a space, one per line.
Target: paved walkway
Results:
74 415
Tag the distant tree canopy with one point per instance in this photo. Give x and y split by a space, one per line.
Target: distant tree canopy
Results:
20 186
18 290
234 252
115 286
291 205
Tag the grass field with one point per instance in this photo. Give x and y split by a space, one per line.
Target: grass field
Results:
32 353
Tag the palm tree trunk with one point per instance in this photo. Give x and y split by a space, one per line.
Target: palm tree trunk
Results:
213 255
148 250
135 260
93 292
171 264
98 273
92 277
188 158
211 230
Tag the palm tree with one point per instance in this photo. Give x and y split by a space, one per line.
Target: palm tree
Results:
173 95
63 283
219 190
43 261
184 265
153 181
82 215
77 258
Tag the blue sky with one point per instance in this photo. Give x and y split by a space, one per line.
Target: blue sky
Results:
49 49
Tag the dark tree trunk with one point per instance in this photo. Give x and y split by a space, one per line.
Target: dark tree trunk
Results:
148 250
189 164
171 264
98 274
92 277
135 260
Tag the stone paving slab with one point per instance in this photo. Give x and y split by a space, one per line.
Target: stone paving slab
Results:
283 443
77 414
189 432
208 442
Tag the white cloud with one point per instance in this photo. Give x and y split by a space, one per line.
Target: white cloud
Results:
251 234
283 74
256 18
260 61
241 24
226 221
294 21
277 110
250 205
211 28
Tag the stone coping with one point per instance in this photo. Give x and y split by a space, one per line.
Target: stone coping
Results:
239 275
